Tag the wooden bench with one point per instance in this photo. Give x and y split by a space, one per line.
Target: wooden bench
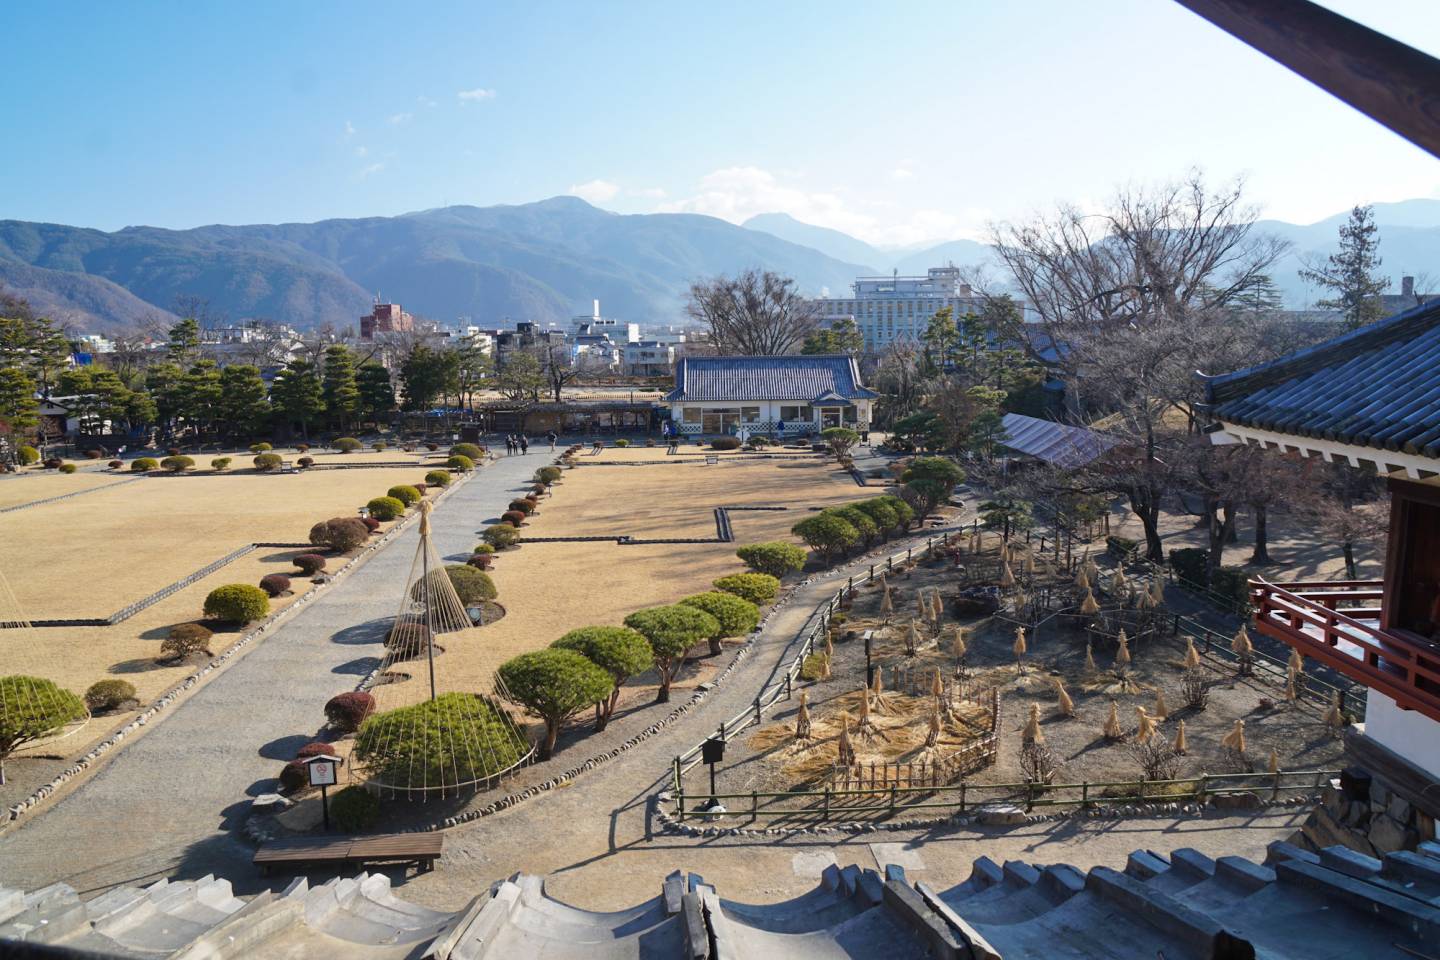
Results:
421 849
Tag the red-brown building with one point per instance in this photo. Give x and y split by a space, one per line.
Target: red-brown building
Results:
385 318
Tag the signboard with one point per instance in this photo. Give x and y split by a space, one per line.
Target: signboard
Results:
322 771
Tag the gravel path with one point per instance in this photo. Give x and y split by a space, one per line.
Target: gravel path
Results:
168 804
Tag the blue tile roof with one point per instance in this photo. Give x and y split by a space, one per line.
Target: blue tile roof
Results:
1378 387
804 378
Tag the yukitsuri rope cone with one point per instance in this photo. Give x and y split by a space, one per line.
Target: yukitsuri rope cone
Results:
34 711
424 742
1181 744
1062 699
802 719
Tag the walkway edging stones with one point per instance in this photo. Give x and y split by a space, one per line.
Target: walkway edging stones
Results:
176 693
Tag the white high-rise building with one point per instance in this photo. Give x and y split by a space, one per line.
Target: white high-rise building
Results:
893 308
618 331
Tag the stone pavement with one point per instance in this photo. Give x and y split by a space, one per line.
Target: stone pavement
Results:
169 803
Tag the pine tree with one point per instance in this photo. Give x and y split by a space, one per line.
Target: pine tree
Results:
342 393
18 405
377 393
244 406
298 394
184 346
1350 273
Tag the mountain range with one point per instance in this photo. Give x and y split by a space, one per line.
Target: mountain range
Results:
543 261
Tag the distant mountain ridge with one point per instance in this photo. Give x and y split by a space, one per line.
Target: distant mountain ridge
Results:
541 261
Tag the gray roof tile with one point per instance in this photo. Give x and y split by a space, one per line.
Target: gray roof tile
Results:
768 378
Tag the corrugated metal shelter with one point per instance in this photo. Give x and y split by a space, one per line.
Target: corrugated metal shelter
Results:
1058 444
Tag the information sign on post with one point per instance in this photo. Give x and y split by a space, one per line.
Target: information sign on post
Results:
324 773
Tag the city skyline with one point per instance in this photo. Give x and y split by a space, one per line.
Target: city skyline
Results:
863 124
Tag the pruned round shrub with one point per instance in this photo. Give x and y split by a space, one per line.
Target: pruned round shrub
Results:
513 517
886 519
406 494
177 464
734 616
399 746
172 451
438 478
266 462
386 508
903 511
827 533
725 443
755 587
52 464
371 524
305 462
548 475
27 455
68 468
346 711
354 809
537 489
115 464
420 488
432 447
144 464
526 507
471 585
347 444
460 463
261 447
341 534
185 639
622 443
302 447
294 776
554 684
378 446
108 694
309 563
315 748
467 450
501 535
220 463
481 561
484 548
275 584
408 638
93 454
237 603
776 558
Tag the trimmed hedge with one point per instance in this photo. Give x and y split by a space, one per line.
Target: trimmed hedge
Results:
305 463
347 444
438 478
725 443
548 475
467 450
407 747
386 508
346 711
371 524
460 463
354 809
144 464
27 455
220 463
266 462
177 464
115 464
67 468
513 517
501 535
185 639
526 507
294 776
261 447
309 563
405 493
734 616
275 584
341 534
315 748
481 561
775 558
757 588
471 585
108 694
237 603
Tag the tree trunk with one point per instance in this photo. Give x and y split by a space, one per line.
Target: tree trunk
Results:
1261 554
1150 521
663 694
602 714
552 732
1349 550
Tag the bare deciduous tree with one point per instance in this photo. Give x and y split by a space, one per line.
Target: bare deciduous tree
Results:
755 313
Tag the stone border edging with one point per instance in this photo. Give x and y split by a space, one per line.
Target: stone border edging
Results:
670 825
67 496
173 695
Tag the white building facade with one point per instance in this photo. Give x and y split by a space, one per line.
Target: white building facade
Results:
887 309
775 396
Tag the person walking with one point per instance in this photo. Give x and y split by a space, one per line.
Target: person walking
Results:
524 444
552 436
509 444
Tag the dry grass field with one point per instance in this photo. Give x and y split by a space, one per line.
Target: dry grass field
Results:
38 484
551 588
90 556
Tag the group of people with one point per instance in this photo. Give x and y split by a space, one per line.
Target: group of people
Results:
519 443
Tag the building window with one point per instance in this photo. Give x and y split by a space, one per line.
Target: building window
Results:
795 413
750 414
690 414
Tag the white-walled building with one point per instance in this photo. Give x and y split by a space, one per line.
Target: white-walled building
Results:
793 395
648 358
887 309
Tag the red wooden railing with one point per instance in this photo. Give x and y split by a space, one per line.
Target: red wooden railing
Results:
1308 616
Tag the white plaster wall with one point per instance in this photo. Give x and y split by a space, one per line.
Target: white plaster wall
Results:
1409 733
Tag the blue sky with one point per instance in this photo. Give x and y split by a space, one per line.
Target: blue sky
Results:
899 123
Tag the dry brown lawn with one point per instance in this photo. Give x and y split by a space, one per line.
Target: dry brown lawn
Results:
32 485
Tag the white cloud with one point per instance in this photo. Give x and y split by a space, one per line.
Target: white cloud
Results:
349 129
649 193
399 118
901 173
738 193
369 171
594 191
476 95
425 102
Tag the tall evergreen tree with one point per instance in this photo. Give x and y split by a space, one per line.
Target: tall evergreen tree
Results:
1350 273
342 393
244 405
18 405
426 374
184 345
298 394
377 393
201 395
